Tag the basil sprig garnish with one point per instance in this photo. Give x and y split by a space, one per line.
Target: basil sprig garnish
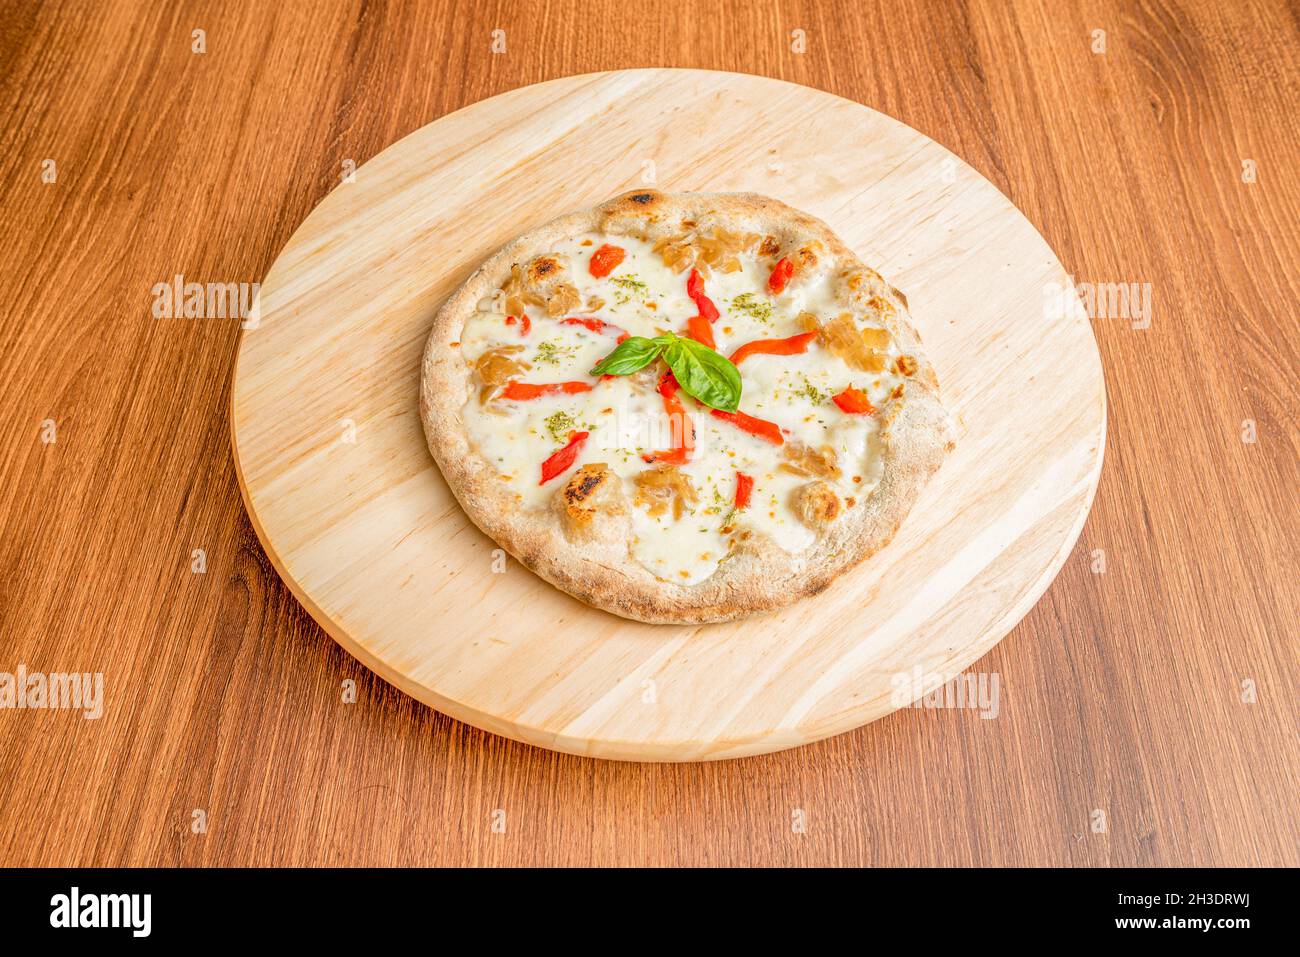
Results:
701 372
633 354
705 374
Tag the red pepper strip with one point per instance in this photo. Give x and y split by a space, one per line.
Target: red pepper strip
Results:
768 431
526 324
605 260
698 328
781 274
744 488
563 460
523 391
681 454
595 325
695 289
774 347
854 402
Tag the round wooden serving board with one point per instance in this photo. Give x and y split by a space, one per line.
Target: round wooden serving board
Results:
357 519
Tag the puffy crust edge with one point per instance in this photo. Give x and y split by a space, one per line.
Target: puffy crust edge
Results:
916 432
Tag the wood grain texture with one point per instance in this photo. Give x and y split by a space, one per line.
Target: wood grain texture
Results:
355 516
1121 692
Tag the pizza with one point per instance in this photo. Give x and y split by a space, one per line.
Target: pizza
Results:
682 407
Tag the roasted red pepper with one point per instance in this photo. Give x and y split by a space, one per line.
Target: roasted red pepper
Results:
854 402
525 324
596 325
685 434
774 347
563 460
781 274
605 260
699 329
769 431
744 488
695 289
523 391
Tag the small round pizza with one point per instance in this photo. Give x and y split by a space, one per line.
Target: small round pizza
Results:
682 407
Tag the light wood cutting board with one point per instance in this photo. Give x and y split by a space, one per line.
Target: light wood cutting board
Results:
356 517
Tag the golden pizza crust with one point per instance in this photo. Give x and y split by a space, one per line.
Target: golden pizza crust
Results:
593 563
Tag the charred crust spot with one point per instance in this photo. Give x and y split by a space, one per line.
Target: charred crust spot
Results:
881 305
639 201
587 500
581 486
543 266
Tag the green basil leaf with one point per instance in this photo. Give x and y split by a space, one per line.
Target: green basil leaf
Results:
632 354
704 374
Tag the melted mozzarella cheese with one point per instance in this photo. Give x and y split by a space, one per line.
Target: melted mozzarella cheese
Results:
625 417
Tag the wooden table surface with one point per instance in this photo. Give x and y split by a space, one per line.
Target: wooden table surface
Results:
1147 707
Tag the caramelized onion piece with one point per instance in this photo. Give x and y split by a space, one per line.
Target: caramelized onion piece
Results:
519 292
565 299
677 252
722 246
663 488
807 257
647 379
496 367
801 459
859 348
718 250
